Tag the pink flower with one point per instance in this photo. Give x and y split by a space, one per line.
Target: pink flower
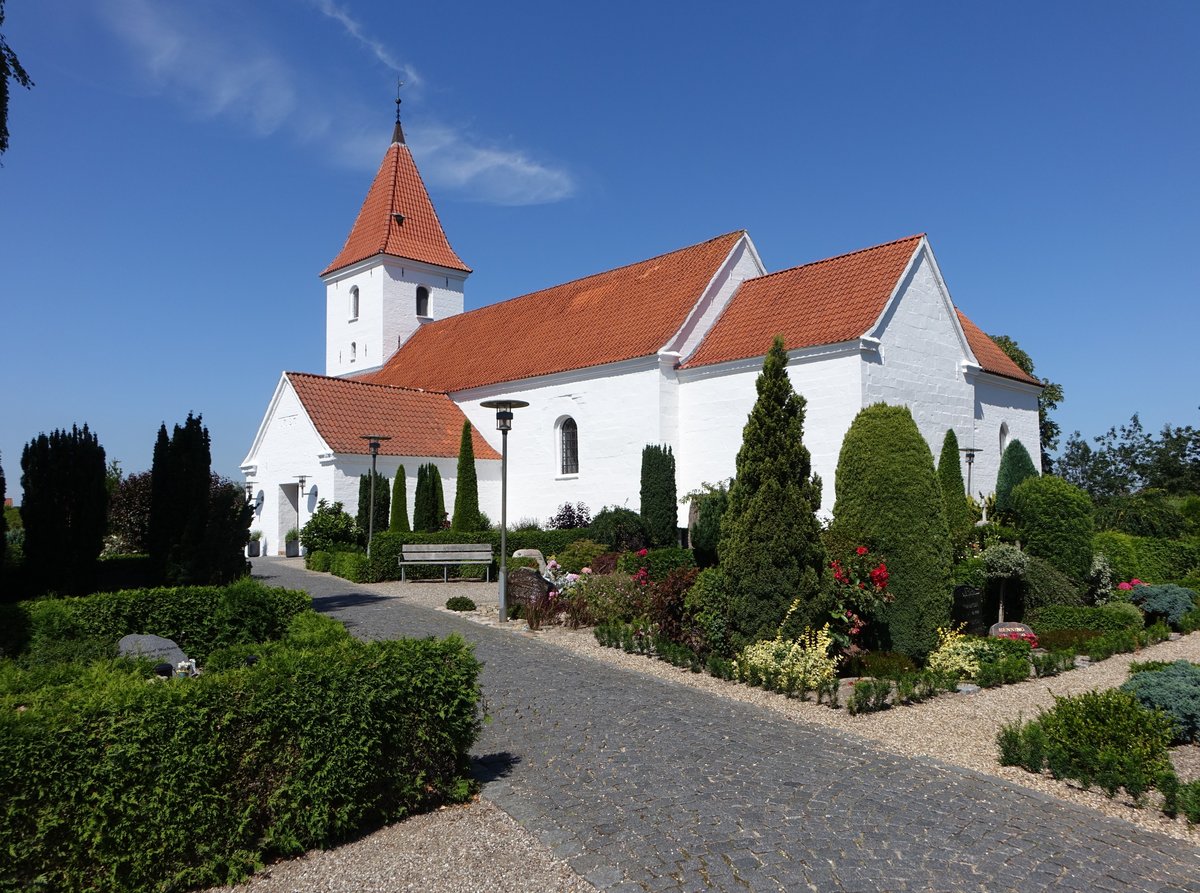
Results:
1124 587
571 578
1136 582
552 564
642 553
861 550
585 570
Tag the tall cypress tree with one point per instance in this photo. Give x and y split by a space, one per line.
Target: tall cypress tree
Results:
439 496
1015 466
423 506
658 507
3 526
399 514
64 508
770 547
466 499
959 517
382 500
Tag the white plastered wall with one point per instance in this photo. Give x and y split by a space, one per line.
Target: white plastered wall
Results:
715 402
1001 402
387 309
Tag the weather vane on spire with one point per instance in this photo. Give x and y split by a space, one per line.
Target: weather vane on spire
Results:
398 131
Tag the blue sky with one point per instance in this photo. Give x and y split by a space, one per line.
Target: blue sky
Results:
182 171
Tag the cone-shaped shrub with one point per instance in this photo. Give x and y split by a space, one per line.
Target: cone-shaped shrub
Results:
429 505
889 500
659 509
399 515
466 500
382 500
1054 520
770 548
1015 466
959 517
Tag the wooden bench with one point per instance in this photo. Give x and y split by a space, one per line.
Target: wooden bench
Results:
445 554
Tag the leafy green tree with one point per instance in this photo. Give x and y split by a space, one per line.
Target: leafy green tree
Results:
1127 459
226 530
64 507
382 500
399 515
959 516
658 506
10 70
770 547
466 500
329 527
129 513
1054 519
1015 466
1048 399
889 500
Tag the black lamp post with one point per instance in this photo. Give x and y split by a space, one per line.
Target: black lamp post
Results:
302 478
969 452
373 442
504 417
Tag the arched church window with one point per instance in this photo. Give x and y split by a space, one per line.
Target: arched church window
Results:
570 446
422 301
1003 437
354 302
353 350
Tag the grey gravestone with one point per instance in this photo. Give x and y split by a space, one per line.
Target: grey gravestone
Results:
1007 629
534 554
968 610
154 648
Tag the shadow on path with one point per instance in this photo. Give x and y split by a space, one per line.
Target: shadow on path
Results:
491 766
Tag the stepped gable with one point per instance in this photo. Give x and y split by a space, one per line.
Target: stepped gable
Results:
420 423
397 218
628 312
991 358
826 302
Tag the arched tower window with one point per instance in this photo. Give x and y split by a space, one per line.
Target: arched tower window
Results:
354 302
1003 437
422 301
570 446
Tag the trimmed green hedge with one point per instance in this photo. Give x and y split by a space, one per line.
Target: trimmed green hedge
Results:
1146 558
1105 619
657 562
352 566
198 618
115 782
1054 519
385 549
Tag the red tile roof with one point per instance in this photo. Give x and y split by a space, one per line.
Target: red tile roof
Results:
398 189
991 358
618 315
824 302
420 423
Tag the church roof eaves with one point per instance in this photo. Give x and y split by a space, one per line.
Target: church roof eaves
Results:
989 355
827 301
397 189
419 422
620 314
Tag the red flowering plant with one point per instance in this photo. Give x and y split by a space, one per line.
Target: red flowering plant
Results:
861 592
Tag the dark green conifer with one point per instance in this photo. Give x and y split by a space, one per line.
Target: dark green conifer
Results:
658 507
770 548
399 516
1015 466
466 500
382 501
959 516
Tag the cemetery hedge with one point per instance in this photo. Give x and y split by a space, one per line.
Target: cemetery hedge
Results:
114 780
1147 558
385 549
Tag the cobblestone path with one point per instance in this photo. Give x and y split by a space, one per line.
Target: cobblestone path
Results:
647 786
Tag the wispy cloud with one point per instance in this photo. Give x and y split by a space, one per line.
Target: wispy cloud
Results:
355 30
235 74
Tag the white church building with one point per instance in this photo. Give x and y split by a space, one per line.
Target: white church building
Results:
664 351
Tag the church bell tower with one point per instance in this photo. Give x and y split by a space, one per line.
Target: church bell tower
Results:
395 273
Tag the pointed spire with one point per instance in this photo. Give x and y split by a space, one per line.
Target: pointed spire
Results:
398 131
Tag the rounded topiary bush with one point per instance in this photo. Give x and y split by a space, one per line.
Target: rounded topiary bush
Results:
1167 601
889 499
460 603
579 554
1054 519
620 529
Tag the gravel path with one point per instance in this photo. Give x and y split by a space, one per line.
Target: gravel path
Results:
645 778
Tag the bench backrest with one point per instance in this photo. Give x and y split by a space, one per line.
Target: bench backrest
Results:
447 552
